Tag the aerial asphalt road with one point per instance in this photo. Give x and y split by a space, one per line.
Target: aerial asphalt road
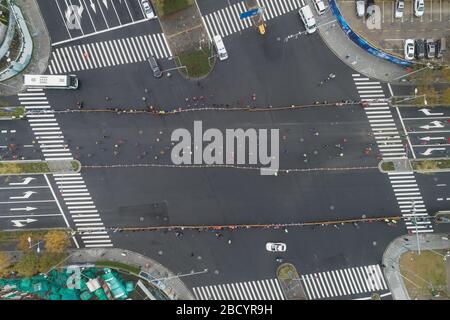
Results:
279 74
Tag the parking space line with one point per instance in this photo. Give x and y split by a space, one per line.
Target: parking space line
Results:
114 7
126 3
31 216
101 10
62 17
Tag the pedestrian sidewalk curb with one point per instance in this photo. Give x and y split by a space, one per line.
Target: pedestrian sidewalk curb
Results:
174 288
354 56
408 166
400 245
54 166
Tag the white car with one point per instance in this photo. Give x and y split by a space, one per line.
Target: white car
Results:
275 247
360 8
409 49
419 7
399 8
148 10
320 6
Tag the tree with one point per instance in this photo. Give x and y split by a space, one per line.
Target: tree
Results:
49 260
5 263
56 241
446 97
28 265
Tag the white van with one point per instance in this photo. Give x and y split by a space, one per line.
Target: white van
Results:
320 6
221 51
308 19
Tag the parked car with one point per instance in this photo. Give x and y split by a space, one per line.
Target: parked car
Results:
419 7
320 6
155 67
307 17
399 8
420 48
370 8
440 47
360 8
275 247
409 49
148 10
430 48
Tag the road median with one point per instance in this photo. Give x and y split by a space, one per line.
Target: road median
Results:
418 165
24 167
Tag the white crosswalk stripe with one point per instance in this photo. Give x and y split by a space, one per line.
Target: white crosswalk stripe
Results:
344 282
226 21
390 146
108 53
71 186
268 289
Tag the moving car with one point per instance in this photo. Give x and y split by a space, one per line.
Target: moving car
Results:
275 247
420 48
220 47
399 8
155 67
308 19
409 49
320 6
419 7
430 48
148 10
360 8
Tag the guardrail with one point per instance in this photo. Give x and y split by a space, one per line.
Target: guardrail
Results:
362 43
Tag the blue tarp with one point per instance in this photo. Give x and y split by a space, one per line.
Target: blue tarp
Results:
363 43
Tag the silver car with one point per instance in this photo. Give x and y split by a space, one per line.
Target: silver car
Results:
148 10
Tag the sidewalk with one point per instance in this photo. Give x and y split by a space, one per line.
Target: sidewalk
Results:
174 288
354 56
41 47
399 246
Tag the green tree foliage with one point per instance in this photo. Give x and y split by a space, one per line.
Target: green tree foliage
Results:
49 260
5 263
28 265
56 241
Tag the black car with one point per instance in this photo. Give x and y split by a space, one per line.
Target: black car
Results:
420 48
155 67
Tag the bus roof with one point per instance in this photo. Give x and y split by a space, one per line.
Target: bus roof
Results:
46 80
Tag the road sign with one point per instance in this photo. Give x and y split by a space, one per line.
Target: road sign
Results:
20 223
24 182
250 13
26 195
428 113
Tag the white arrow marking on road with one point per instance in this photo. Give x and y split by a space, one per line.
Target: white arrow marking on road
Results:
430 150
437 124
80 10
24 182
19 224
105 2
26 195
432 138
93 7
428 113
23 209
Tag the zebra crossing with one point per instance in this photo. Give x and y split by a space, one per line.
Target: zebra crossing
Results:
344 282
384 129
72 187
108 53
226 21
268 289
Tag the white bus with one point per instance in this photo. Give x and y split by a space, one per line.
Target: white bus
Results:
51 81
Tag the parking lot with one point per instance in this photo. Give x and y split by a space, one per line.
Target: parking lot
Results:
68 20
29 202
389 33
